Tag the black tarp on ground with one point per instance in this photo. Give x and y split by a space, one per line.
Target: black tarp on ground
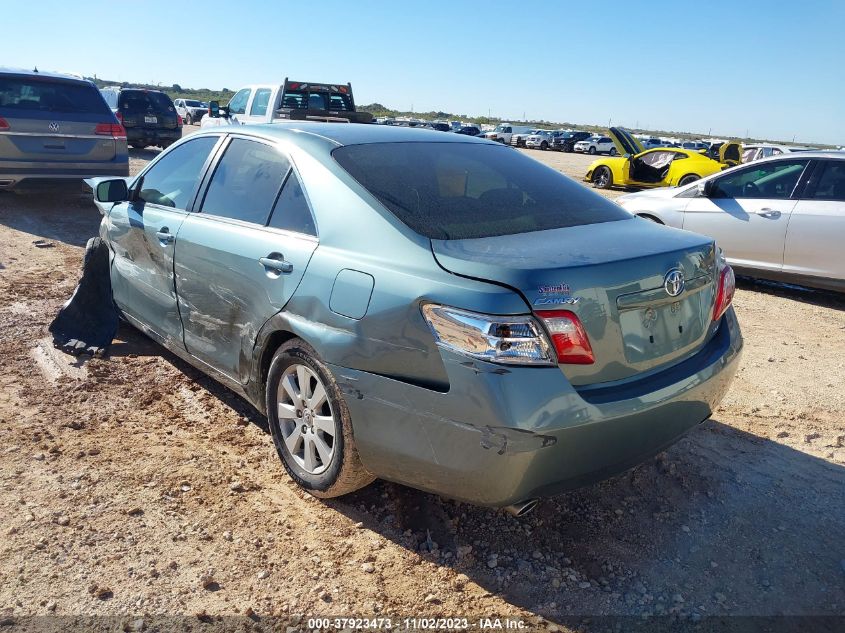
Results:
87 323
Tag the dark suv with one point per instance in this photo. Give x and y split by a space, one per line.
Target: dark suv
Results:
149 116
55 127
566 141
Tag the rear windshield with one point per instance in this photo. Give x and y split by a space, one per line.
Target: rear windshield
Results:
302 99
50 96
468 190
135 100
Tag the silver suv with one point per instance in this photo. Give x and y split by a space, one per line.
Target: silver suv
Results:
56 127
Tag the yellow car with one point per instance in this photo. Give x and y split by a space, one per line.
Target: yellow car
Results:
659 167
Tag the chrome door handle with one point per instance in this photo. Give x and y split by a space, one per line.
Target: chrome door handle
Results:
165 236
766 212
277 263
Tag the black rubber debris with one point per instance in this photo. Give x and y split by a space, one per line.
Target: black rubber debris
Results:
87 323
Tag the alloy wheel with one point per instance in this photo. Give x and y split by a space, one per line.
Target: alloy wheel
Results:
306 420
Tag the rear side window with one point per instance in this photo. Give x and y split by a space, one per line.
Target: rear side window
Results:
467 190
831 183
260 102
246 182
291 211
50 96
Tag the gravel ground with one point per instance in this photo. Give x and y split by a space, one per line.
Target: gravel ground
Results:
134 486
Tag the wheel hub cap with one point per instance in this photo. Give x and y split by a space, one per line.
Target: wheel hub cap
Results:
306 421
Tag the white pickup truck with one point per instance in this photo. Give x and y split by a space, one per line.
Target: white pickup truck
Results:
505 131
297 100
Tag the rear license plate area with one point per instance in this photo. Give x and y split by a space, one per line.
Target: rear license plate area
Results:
660 330
150 119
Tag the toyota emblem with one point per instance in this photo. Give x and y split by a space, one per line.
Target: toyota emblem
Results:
54 127
673 282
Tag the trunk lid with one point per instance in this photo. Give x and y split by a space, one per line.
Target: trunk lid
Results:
625 142
613 276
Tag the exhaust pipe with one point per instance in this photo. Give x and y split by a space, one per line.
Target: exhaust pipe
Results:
522 508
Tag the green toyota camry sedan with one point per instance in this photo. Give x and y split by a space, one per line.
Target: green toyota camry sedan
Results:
432 309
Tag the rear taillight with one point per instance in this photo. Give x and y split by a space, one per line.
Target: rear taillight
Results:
515 340
568 337
725 291
4 124
119 116
178 120
115 130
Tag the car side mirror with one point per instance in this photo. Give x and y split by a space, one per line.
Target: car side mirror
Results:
705 189
214 109
112 191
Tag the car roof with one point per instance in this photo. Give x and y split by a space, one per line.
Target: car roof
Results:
22 72
818 153
352 133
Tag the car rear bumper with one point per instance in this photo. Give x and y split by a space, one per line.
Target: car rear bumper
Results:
502 435
152 136
17 173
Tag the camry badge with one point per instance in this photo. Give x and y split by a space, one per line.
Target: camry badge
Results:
673 282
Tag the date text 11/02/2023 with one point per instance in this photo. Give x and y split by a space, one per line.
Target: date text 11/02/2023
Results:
422 624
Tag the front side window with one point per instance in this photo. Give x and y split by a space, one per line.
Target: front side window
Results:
658 159
171 180
468 190
238 103
831 183
260 102
246 182
291 211
767 180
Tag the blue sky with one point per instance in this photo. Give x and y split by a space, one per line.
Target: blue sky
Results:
773 69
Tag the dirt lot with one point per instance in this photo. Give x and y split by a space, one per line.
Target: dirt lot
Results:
133 486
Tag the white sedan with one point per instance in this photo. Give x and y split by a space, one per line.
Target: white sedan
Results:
779 218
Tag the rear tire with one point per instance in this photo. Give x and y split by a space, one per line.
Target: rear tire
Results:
315 420
689 178
592 150
602 178
138 145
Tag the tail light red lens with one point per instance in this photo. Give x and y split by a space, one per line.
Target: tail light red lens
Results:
568 337
178 120
4 124
115 130
119 116
725 292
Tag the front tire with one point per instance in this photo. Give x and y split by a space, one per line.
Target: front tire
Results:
612 151
189 120
689 178
311 425
544 146
602 178
592 150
